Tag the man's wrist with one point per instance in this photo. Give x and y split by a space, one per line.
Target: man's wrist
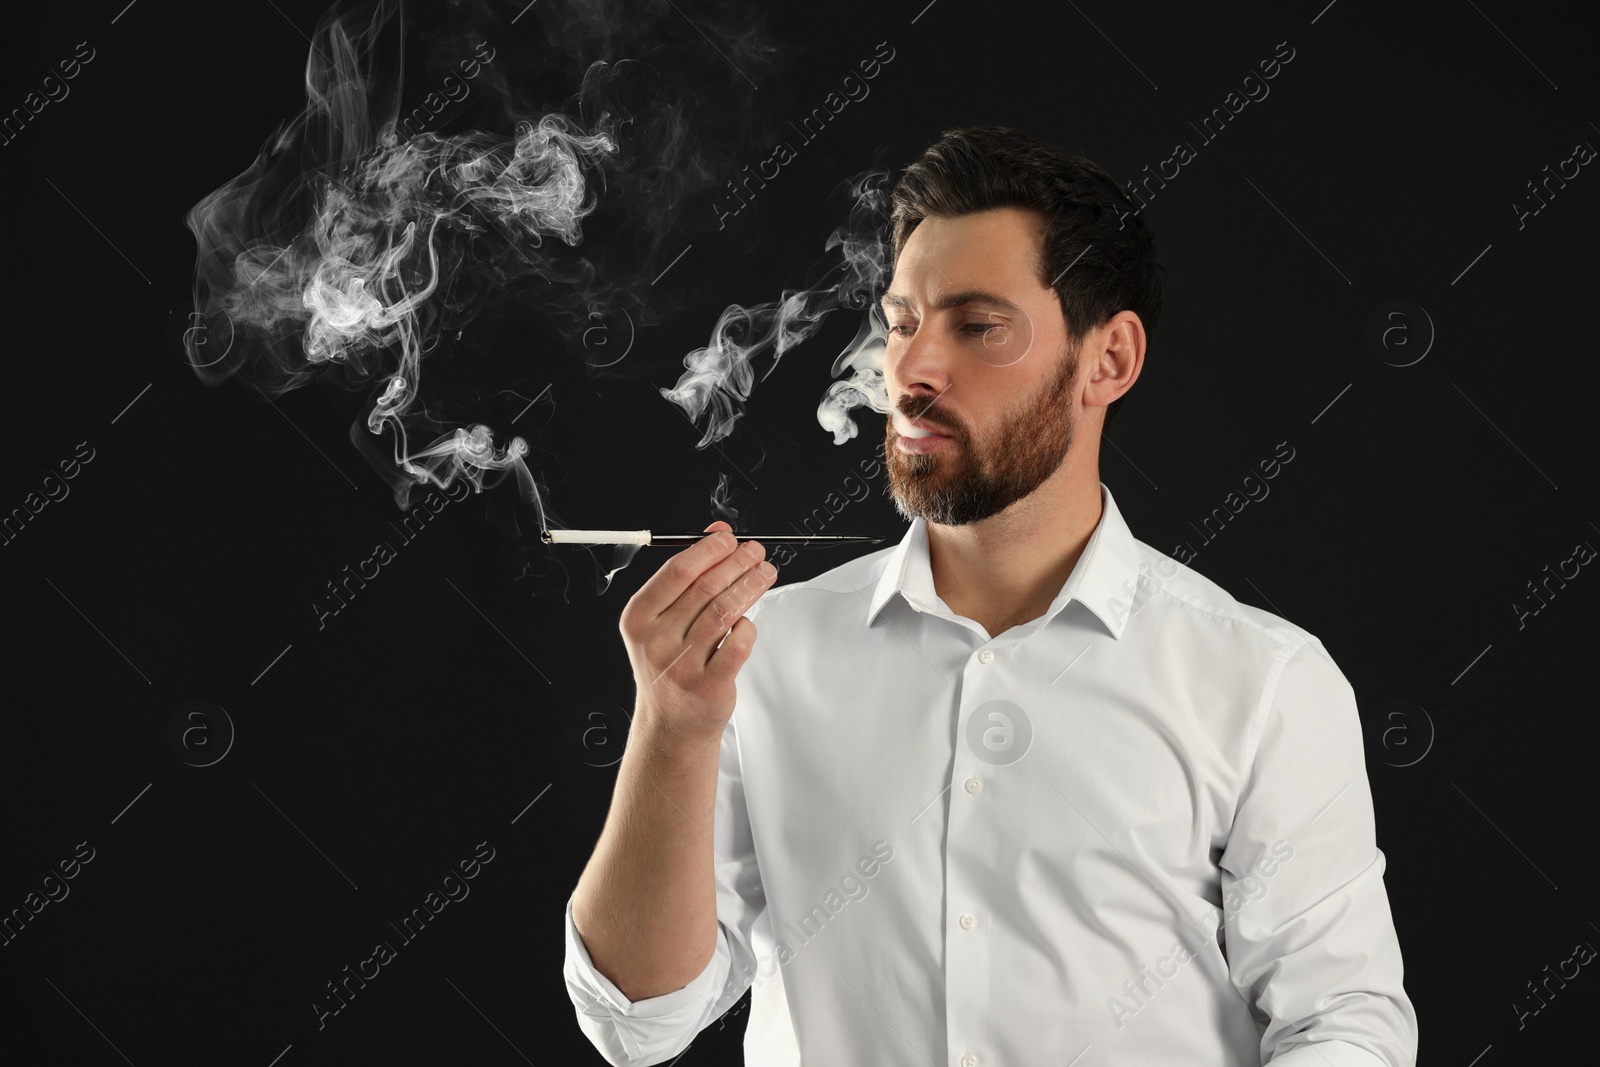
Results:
662 740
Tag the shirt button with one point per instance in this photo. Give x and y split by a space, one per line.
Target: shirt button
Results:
969 1060
968 922
985 656
974 785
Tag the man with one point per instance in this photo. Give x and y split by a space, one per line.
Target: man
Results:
1020 789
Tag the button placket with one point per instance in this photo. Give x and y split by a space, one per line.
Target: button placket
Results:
970 957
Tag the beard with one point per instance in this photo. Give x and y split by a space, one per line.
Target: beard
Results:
967 480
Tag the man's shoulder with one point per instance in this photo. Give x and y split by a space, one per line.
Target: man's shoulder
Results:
1198 613
1206 604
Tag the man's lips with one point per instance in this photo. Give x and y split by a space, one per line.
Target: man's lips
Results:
919 445
915 428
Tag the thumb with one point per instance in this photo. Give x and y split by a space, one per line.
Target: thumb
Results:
719 522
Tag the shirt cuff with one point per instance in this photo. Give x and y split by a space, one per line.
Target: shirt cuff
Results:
1331 1054
653 1026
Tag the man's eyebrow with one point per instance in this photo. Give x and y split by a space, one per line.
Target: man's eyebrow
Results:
956 299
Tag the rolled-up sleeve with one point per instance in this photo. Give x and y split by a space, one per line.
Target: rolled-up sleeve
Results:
1308 933
640 1032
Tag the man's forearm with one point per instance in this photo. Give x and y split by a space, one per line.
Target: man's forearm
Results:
646 904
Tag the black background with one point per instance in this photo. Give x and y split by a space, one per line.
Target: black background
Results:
429 714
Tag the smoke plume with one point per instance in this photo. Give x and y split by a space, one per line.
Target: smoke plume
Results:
364 241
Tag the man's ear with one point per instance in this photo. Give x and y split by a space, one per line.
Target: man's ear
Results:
1113 358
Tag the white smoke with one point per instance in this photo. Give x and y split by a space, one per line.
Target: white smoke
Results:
719 376
352 252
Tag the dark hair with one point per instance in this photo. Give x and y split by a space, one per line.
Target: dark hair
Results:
1090 222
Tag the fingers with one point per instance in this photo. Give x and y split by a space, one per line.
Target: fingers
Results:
709 607
732 650
663 588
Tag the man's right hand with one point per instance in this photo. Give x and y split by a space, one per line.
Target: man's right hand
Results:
672 627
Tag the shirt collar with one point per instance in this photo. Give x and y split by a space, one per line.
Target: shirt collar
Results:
1105 578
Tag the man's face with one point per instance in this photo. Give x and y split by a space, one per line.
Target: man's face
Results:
991 375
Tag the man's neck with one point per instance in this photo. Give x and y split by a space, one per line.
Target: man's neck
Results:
1006 570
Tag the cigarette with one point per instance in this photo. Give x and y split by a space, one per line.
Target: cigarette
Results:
645 537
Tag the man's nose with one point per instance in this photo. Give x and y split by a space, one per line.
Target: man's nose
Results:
925 360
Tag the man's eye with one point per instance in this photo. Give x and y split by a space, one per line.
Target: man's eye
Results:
977 328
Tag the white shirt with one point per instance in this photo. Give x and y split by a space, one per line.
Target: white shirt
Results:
1136 830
